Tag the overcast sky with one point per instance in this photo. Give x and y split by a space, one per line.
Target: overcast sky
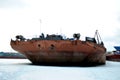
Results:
31 17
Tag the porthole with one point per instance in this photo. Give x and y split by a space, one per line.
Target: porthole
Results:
52 46
39 45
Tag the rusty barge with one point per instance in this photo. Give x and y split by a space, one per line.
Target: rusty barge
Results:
54 49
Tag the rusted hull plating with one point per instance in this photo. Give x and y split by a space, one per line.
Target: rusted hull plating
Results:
66 58
61 52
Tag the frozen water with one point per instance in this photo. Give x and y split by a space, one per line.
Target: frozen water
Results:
21 69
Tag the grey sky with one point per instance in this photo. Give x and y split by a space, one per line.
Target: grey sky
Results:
60 16
12 4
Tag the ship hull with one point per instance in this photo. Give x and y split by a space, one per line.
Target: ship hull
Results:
113 57
61 52
66 58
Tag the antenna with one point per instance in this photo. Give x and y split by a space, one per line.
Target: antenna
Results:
40 25
60 30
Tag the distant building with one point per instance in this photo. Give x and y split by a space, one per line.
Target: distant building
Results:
11 55
117 49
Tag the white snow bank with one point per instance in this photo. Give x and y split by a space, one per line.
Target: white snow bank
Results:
21 69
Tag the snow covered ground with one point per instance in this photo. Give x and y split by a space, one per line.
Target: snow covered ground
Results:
21 69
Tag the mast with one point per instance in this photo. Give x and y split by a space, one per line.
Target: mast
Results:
97 35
